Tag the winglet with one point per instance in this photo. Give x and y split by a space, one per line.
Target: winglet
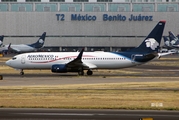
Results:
80 54
1 39
9 48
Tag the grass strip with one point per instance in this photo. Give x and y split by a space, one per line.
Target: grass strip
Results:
99 96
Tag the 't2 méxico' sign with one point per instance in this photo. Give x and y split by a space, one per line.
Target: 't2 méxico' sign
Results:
105 17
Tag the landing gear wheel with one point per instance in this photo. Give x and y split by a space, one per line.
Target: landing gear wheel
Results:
1 77
89 72
81 73
21 73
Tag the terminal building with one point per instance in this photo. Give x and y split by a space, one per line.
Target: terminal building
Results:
107 25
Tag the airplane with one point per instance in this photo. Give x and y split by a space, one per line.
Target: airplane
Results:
1 40
2 47
172 37
167 43
172 42
62 62
21 48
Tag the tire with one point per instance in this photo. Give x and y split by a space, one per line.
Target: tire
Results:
89 72
1 77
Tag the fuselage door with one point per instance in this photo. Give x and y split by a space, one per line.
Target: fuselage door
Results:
135 57
23 59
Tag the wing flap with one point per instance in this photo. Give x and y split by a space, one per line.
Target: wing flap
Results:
89 66
14 49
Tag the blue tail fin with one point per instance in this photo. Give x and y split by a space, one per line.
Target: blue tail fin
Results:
172 36
1 40
166 41
178 36
152 42
40 41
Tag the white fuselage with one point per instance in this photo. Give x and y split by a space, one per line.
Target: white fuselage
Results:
22 48
45 60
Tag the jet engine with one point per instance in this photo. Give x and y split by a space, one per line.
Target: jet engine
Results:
59 68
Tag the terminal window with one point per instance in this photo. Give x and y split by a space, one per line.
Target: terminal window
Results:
170 9
8 0
46 8
71 9
145 0
121 9
57 0
22 8
80 0
33 0
3 7
96 9
146 9
104 0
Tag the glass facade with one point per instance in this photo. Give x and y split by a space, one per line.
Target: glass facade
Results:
89 7
167 7
21 7
3 7
66 7
96 7
118 7
46 7
143 8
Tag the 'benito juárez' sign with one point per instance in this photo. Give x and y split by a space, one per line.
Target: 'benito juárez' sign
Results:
105 17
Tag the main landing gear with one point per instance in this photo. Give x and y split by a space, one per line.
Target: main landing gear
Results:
81 72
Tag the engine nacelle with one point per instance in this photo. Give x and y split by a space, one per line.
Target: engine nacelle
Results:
59 68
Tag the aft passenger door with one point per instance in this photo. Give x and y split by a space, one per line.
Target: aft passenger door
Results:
23 59
134 57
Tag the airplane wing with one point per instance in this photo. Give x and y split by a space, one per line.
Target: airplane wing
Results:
14 49
77 63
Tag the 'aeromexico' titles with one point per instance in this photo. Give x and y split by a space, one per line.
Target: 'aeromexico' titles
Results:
106 17
40 56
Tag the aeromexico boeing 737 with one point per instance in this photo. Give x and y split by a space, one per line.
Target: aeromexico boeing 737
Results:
21 48
62 62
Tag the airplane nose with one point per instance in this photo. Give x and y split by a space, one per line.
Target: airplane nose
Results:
8 63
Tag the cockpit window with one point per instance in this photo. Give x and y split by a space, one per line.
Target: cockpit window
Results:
14 58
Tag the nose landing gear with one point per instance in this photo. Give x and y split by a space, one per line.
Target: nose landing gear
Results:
22 72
